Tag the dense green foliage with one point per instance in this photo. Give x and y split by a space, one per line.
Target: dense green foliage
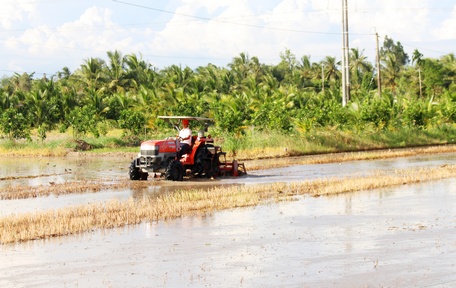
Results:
294 96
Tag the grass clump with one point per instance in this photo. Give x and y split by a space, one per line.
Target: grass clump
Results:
57 189
266 144
9 148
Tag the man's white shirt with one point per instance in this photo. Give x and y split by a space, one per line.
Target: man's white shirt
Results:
184 133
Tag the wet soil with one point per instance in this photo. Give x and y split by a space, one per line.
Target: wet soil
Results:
395 237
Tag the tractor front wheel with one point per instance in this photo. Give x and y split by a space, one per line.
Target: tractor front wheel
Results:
134 172
175 171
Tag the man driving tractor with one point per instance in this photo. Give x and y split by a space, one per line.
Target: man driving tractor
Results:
164 157
185 137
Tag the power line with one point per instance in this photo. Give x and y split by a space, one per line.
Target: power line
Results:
231 22
113 27
419 48
395 10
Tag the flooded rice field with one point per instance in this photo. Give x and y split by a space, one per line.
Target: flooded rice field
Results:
403 236
48 171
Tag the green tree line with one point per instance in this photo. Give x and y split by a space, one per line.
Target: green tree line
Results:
294 95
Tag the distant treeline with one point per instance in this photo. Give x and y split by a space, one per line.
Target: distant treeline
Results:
295 95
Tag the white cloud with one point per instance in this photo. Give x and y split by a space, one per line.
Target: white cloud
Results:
91 35
447 29
13 11
239 27
36 41
194 37
44 40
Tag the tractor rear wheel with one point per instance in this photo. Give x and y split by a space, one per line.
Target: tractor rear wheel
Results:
202 162
175 171
216 162
206 164
215 169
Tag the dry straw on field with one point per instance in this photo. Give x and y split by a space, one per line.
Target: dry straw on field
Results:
116 213
33 152
56 189
352 156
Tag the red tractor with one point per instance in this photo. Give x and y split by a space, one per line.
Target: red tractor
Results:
161 157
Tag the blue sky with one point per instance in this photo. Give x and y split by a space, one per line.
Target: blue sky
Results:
43 36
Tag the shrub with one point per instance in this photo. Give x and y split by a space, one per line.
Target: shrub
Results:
14 124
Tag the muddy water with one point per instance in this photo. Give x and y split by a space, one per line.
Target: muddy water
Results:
45 171
394 237
42 171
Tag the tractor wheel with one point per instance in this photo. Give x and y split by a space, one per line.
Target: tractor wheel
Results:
215 171
134 172
175 171
202 164
144 176
214 167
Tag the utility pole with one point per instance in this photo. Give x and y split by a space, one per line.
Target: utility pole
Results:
345 57
379 73
322 79
419 76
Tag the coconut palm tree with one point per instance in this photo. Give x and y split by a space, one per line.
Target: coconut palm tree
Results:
64 74
5 100
21 82
358 67
240 66
331 71
390 71
96 99
139 72
306 72
449 63
117 79
243 67
91 74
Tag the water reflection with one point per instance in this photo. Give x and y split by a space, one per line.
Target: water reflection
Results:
44 171
386 236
